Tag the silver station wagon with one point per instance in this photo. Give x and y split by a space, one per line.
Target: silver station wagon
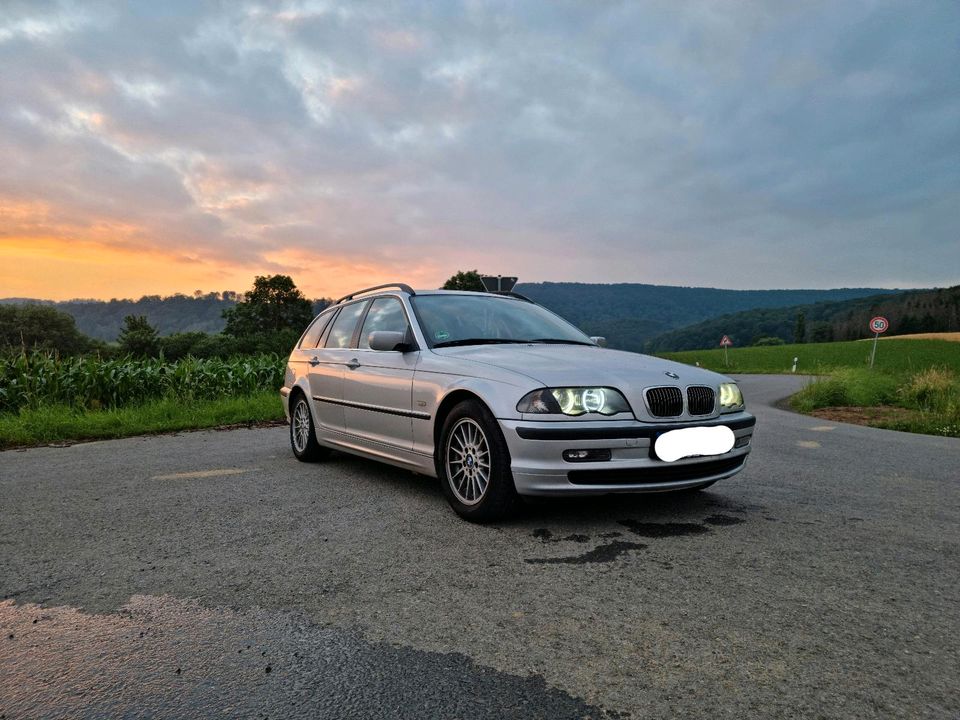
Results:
498 398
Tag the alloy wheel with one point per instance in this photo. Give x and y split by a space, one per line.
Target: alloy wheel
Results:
468 462
301 426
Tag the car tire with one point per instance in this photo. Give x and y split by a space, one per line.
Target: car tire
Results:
303 436
473 464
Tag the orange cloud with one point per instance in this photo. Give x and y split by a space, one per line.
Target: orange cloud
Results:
43 256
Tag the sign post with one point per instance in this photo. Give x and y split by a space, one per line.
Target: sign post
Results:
725 342
877 325
498 283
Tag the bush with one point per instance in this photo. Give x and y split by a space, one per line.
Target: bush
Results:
934 389
848 387
822 392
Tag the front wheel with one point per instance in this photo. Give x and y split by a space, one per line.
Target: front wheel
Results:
303 438
474 465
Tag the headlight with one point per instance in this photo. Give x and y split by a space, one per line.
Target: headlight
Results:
573 401
731 398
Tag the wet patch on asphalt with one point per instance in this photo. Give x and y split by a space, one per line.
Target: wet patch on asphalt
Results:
189 661
611 551
544 535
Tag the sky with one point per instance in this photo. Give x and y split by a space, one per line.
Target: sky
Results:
153 148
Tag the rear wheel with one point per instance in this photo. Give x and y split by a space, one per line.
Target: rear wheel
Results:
303 437
474 464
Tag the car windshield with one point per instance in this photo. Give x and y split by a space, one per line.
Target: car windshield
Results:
448 320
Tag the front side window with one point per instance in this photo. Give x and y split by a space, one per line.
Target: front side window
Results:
344 326
448 320
386 313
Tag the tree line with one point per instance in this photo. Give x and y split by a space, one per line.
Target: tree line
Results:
913 311
269 318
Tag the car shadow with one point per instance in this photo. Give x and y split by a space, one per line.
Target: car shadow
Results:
569 515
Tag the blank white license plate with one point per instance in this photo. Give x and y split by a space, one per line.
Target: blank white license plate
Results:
693 442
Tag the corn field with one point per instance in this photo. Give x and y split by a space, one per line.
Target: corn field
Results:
33 380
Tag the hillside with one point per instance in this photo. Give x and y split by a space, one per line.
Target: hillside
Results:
627 314
914 311
102 319
630 314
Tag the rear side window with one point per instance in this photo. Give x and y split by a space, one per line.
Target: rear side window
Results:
312 336
385 314
344 326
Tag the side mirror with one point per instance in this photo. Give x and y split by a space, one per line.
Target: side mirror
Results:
388 340
601 341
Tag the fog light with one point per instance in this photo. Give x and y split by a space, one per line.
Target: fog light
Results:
586 455
742 442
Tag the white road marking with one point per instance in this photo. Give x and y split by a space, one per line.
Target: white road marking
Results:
203 474
812 444
823 428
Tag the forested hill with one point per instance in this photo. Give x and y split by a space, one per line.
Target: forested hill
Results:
911 311
102 319
630 314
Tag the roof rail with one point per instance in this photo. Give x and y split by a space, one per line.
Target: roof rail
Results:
511 293
406 288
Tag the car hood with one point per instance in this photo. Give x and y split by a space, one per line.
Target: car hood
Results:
571 365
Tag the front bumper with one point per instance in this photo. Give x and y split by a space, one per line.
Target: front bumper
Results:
539 468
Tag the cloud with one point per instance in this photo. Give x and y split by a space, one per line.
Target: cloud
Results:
745 145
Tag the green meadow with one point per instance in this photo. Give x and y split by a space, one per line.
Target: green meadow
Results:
49 424
893 356
914 385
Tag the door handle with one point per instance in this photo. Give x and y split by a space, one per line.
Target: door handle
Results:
353 364
314 362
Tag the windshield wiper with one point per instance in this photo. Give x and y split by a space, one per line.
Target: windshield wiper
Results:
477 341
559 341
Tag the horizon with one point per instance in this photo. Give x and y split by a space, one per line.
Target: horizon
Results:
150 149
198 293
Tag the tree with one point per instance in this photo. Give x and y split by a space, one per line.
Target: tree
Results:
800 329
138 337
469 280
821 331
273 305
30 326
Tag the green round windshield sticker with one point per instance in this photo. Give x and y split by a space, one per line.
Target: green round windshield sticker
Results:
441 335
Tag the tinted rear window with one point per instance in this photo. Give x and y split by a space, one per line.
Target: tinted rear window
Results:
312 336
344 326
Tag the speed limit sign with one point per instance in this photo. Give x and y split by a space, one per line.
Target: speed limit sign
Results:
879 324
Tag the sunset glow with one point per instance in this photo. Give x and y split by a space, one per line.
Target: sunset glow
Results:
146 150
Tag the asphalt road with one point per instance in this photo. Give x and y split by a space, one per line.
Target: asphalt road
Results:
209 574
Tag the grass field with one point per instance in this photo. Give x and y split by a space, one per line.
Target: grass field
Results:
62 423
914 386
893 356
927 401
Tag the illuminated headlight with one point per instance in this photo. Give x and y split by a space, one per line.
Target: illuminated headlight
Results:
731 398
574 401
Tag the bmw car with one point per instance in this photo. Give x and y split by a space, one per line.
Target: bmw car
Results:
500 398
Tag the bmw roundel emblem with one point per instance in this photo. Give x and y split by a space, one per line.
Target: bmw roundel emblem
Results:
671 375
